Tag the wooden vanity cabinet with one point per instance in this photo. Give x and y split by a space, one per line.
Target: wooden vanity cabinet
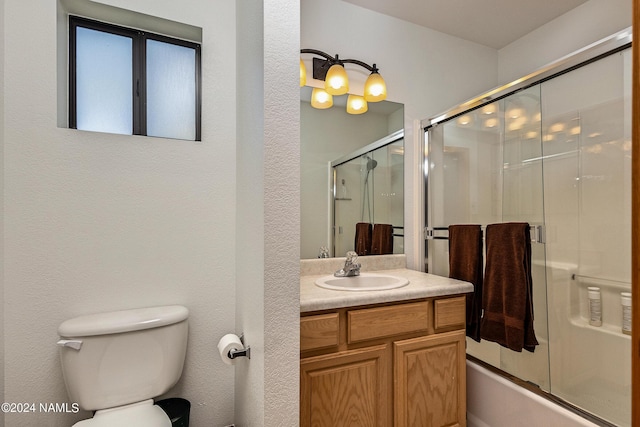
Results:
396 364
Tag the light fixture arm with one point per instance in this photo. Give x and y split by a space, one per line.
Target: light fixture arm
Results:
320 67
317 52
371 68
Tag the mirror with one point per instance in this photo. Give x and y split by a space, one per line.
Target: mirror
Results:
332 137
368 199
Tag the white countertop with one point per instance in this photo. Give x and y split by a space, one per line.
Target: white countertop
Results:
421 285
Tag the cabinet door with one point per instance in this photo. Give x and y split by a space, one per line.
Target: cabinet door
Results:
430 381
347 389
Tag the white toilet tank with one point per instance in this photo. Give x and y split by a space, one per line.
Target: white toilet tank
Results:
122 357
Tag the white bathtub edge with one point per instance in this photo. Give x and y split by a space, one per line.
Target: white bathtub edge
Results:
526 409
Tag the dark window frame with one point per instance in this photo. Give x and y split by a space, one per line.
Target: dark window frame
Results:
139 87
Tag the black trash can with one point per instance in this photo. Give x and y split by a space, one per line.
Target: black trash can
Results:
177 410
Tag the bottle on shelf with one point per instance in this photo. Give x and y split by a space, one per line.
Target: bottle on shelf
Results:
626 312
595 306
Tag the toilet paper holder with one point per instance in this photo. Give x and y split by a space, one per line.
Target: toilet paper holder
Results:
244 352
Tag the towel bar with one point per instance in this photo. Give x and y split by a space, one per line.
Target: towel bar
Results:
442 233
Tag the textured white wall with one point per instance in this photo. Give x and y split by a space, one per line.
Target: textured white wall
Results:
282 212
426 70
268 302
97 222
574 30
2 208
250 251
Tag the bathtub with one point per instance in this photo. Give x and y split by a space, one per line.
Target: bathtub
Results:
494 401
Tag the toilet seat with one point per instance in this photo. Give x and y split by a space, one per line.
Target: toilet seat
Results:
140 414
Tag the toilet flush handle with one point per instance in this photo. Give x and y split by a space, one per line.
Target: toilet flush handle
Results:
74 344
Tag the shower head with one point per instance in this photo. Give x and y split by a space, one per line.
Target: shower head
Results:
371 164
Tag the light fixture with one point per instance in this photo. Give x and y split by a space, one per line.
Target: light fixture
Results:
491 123
557 128
303 73
531 134
320 99
375 89
518 123
489 109
331 70
514 113
356 105
336 81
464 120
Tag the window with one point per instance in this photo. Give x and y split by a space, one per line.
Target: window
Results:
130 82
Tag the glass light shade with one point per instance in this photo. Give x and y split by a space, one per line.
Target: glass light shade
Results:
303 73
320 99
465 120
531 134
489 109
514 113
356 105
557 127
491 123
336 82
375 89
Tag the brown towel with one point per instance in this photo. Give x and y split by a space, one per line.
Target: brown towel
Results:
465 263
382 240
363 238
507 299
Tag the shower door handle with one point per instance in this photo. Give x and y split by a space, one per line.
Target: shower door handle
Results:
537 234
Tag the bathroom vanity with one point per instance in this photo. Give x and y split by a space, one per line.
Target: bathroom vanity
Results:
383 358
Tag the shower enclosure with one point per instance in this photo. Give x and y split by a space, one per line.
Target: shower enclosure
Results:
368 187
553 150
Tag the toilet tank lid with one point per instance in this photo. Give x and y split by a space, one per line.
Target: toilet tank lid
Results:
122 321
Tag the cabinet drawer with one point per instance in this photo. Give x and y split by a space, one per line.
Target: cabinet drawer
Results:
371 323
319 331
449 312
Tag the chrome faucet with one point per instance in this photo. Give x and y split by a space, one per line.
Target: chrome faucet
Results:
351 268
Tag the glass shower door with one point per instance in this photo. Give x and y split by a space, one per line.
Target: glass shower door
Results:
485 167
558 155
523 201
587 153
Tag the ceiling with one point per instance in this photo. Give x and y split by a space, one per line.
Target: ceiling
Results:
493 23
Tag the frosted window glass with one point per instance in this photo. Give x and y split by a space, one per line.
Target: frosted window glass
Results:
171 91
103 82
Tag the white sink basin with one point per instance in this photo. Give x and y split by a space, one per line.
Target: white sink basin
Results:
363 282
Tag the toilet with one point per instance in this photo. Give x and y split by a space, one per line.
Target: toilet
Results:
116 363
